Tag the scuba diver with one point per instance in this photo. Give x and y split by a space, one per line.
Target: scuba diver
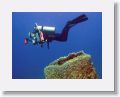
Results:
47 34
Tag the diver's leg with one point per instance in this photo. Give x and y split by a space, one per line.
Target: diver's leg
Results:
63 36
70 24
54 37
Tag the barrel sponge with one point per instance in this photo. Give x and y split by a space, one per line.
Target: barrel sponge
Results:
74 66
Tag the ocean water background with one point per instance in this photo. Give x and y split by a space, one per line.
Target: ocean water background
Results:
28 61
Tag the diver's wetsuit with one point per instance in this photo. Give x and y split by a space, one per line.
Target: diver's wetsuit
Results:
63 36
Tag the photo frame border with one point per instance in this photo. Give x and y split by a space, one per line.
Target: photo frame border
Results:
104 84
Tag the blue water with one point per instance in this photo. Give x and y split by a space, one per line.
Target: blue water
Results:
28 61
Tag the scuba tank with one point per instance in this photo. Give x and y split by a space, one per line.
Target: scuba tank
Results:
48 30
45 29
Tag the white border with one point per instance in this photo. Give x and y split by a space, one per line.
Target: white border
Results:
104 6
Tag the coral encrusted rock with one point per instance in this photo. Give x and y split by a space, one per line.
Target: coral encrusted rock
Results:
74 66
